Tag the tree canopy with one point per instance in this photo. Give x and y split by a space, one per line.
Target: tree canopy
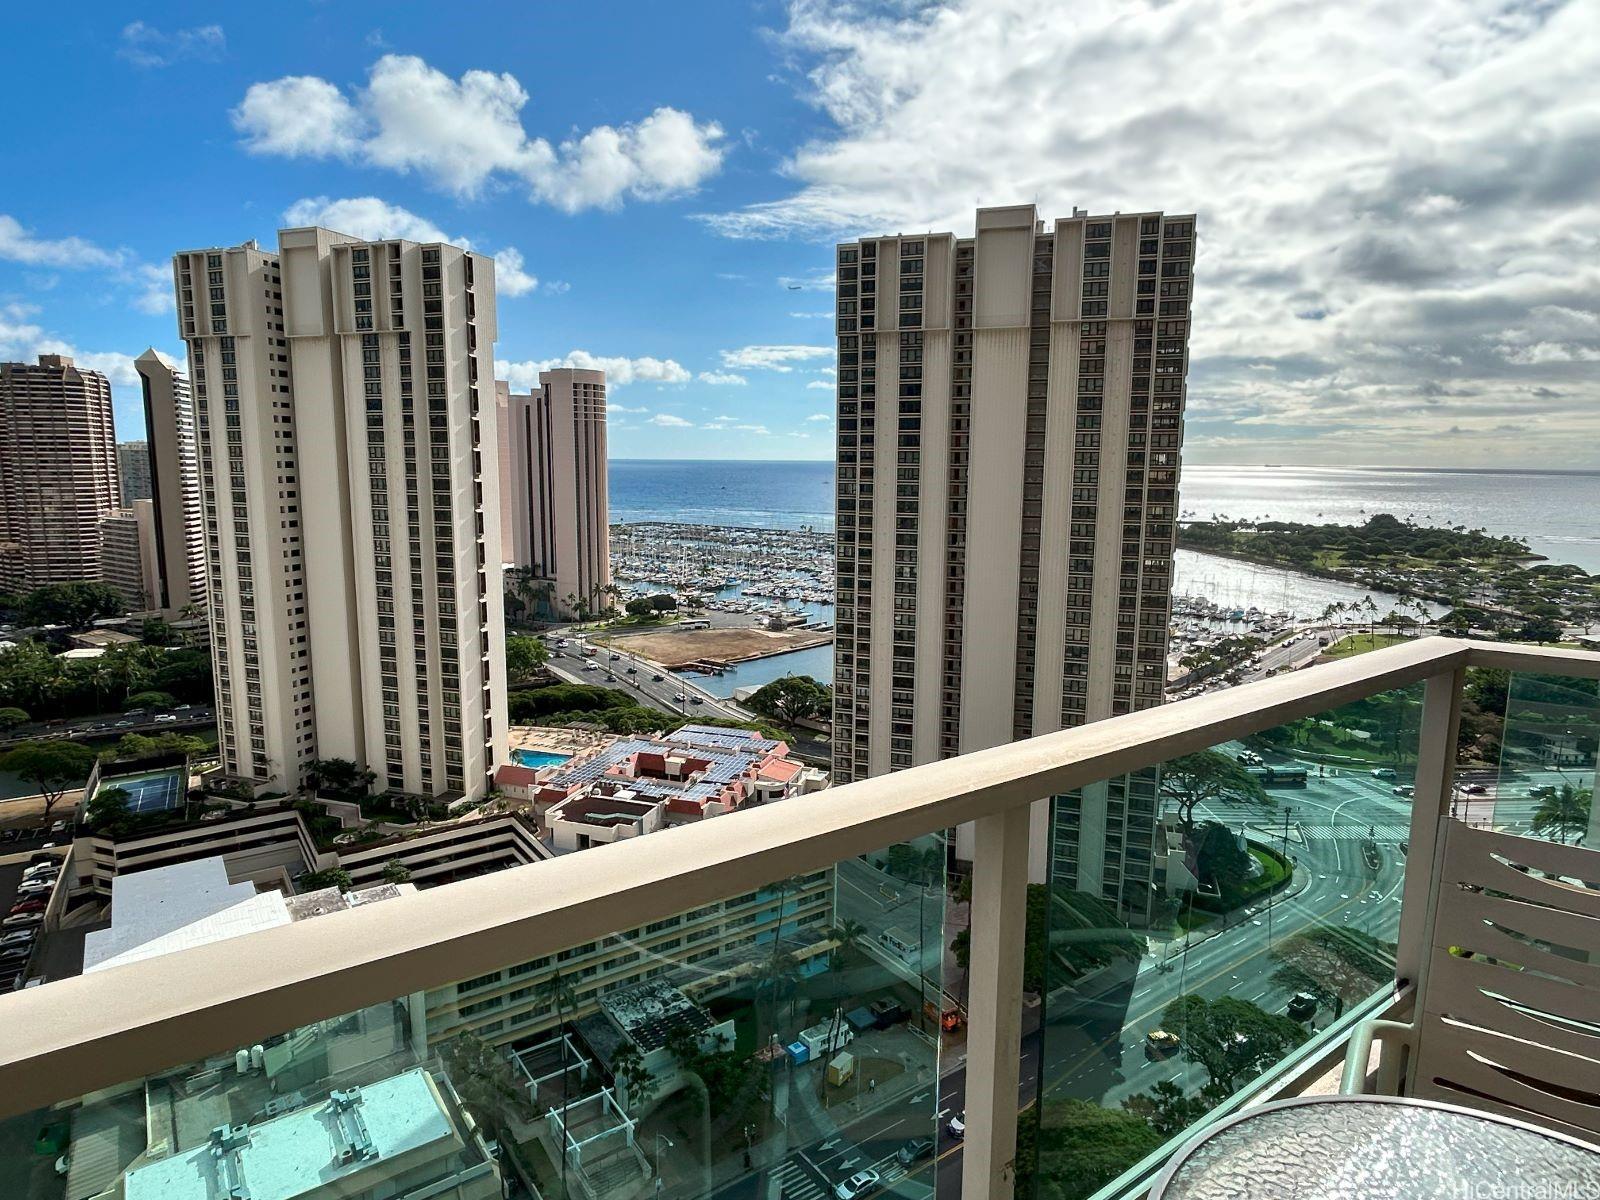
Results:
1233 1040
71 604
1195 779
791 698
525 655
52 767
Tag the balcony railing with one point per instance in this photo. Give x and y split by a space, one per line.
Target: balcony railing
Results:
754 923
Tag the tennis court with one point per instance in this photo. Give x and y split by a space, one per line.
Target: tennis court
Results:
157 791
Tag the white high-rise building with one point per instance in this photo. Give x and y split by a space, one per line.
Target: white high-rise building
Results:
1010 413
173 473
344 405
553 471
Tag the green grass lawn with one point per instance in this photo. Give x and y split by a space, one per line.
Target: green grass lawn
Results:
1361 643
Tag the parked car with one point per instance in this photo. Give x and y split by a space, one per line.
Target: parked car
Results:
915 1150
15 954
44 868
35 887
17 937
27 906
1302 1006
858 1183
22 919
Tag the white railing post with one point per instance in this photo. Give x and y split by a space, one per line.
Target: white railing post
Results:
994 1003
1437 734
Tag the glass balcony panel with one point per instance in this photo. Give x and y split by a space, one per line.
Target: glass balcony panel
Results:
1203 922
787 1038
1532 769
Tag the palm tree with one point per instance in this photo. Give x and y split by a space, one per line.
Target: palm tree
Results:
1564 813
558 994
845 934
627 1067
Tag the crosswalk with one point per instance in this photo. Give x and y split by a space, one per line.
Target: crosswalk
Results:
796 1183
1382 831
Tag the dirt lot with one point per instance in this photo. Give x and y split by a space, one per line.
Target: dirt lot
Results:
673 649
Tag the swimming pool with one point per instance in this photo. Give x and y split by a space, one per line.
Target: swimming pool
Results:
538 758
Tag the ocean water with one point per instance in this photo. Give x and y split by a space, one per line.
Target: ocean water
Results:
756 495
1558 512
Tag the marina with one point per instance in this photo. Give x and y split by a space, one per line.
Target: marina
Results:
785 577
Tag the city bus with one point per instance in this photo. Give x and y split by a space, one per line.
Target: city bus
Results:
1283 777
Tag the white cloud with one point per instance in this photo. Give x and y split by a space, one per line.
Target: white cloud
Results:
298 116
813 316
773 358
464 133
669 421
820 417
366 217
619 371
20 245
509 277
374 219
820 385
1372 217
146 46
728 378
155 289
152 284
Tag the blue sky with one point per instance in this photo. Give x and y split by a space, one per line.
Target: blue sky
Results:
1398 251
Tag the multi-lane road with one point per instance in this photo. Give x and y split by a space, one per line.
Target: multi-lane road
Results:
648 683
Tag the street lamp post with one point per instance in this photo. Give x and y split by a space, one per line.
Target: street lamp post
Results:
660 1138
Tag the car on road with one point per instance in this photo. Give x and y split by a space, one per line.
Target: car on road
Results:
1475 789
658 678
165 717
182 707
1160 1043
123 725
1403 789
678 696
591 666
611 676
1383 772
633 670
957 1125
858 1183
915 1150
887 1012
616 658
1302 1006
695 700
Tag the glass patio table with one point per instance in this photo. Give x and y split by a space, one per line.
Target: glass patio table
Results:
1352 1147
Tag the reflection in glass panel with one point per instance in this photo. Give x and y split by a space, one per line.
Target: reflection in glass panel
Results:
1204 919
1543 783
782 1040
